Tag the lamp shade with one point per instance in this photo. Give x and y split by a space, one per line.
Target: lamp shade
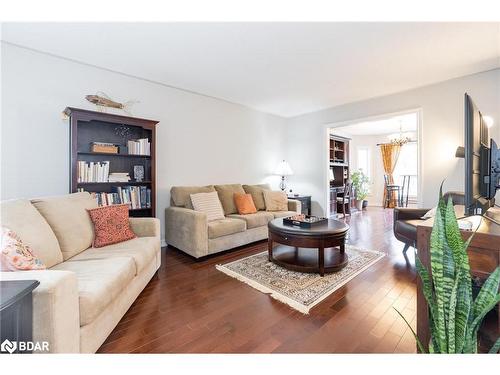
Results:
283 169
332 177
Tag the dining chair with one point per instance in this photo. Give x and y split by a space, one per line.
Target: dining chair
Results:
345 199
389 189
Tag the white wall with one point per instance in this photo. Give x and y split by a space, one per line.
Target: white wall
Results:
443 129
200 140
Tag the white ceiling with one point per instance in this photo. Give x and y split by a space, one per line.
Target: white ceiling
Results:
391 125
281 68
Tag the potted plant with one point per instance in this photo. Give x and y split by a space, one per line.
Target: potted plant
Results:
455 316
360 185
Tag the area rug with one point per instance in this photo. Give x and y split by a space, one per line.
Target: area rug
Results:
301 291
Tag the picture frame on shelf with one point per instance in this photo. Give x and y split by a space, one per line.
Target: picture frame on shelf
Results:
138 173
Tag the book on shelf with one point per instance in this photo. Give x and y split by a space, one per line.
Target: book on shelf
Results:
93 171
108 148
119 177
136 197
139 147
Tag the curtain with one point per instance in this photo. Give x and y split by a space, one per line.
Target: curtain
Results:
390 155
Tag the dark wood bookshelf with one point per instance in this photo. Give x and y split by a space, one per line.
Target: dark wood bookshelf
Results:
92 126
339 164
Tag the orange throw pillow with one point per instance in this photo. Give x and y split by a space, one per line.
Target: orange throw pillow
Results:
244 203
111 225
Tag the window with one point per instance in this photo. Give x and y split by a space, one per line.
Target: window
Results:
364 160
407 164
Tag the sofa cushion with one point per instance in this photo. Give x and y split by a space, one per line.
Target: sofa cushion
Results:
111 225
277 214
224 227
208 203
226 196
16 255
244 204
257 194
275 200
255 220
70 221
141 249
100 281
181 195
23 218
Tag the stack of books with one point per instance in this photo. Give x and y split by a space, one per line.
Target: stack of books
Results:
119 177
93 171
109 148
139 147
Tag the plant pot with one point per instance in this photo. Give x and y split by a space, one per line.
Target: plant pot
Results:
359 205
365 204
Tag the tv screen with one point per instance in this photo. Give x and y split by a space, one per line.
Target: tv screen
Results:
477 163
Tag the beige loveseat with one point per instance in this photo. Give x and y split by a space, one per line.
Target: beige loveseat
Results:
191 232
85 291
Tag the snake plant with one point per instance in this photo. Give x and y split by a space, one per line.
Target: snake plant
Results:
454 316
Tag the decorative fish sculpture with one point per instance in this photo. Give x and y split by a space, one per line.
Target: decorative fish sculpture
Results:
102 101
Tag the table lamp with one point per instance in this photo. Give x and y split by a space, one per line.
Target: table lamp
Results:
283 169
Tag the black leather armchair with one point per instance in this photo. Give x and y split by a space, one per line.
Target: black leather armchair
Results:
406 220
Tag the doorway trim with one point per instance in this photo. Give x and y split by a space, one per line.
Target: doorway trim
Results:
332 125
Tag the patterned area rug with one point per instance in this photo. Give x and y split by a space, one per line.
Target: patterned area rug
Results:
300 291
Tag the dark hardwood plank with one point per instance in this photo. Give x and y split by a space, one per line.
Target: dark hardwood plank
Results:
193 308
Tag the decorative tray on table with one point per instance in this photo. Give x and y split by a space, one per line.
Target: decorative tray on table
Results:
303 221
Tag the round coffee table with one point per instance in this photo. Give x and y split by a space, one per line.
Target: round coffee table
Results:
296 249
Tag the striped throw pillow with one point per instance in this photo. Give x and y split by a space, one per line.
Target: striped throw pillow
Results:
208 203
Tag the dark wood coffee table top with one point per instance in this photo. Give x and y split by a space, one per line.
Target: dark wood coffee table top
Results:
326 228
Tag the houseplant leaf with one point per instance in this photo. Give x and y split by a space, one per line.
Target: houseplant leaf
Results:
488 292
496 347
437 245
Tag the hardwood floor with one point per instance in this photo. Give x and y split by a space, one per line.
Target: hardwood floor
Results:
193 308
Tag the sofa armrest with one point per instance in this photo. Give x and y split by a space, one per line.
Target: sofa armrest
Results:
187 230
294 205
409 213
56 310
145 226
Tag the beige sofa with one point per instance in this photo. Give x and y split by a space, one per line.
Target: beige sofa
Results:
191 232
85 291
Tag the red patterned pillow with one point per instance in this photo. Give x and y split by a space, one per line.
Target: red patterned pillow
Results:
111 225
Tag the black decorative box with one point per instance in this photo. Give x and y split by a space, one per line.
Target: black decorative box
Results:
304 221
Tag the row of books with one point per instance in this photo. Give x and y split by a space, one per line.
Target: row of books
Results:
93 171
139 147
135 196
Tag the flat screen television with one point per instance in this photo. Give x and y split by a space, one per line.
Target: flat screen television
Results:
482 162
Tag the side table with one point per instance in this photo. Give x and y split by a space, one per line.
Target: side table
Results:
305 201
16 313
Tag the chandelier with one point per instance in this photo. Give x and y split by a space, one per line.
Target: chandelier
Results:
400 138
